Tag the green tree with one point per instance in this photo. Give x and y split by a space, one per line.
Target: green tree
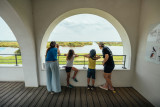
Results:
18 51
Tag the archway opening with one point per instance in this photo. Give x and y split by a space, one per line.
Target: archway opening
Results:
82 33
10 54
110 18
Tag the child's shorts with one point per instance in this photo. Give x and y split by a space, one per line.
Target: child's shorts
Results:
91 73
68 69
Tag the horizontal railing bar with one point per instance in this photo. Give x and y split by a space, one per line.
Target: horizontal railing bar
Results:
8 62
99 55
60 55
7 59
10 54
87 61
82 62
10 59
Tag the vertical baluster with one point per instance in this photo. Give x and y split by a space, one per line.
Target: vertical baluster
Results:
124 62
84 63
16 59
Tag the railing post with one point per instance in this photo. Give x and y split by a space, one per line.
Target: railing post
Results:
16 59
124 67
84 63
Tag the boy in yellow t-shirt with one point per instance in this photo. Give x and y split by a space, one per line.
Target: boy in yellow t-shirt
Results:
92 57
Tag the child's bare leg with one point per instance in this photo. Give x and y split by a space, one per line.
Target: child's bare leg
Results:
88 81
93 81
75 71
68 76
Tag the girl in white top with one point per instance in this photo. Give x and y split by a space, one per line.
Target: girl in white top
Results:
69 66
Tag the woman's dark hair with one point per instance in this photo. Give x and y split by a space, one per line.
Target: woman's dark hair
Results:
101 44
52 45
70 54
92 54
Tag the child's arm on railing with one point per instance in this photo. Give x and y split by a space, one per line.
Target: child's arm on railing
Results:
76 55
65 54
87 55
97 57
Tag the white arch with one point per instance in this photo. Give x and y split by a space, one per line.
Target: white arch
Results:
25 40
107 16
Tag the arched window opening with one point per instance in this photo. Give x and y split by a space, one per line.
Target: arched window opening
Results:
10 54
80 32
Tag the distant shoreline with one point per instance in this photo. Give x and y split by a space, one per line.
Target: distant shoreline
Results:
14 44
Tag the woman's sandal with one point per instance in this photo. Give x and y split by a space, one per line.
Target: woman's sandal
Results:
101 86
112 89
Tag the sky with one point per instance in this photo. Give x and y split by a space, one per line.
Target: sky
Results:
84 27
5 32
81 27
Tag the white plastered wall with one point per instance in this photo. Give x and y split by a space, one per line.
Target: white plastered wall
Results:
147 75
24 36
126 12
11 74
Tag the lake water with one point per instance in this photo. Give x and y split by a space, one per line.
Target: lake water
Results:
1 49
7 50
116 50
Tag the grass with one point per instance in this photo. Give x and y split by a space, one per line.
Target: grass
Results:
112 43
80 60
62 60
9 44
71 44
63 44
10 60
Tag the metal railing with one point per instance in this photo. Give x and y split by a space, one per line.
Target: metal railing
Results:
118 59
81 60
10 59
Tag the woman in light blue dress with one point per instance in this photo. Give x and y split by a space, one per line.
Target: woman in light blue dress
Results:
52 68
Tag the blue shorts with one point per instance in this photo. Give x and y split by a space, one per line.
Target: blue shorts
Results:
91 73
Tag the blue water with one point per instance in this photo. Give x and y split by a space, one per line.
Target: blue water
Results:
117 50
7 50
2 48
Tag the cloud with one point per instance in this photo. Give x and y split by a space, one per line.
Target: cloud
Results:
84 27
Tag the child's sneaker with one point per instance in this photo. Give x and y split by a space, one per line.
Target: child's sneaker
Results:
92 88
88 87
70 86
75 79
